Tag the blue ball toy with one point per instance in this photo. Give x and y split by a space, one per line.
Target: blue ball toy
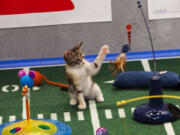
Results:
26 79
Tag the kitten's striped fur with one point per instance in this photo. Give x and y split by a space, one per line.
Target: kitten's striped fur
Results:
79 73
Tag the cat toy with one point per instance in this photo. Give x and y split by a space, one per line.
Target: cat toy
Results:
39 78
27 82
120 62
156 111
128 28
33 126
101 131
123 102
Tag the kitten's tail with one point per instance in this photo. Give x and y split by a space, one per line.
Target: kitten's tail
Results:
174 110
39 77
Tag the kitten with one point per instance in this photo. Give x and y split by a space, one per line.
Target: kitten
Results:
79 74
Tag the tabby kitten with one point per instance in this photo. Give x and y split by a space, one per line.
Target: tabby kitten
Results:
79 74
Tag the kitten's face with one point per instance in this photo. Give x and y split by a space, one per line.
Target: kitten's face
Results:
74 56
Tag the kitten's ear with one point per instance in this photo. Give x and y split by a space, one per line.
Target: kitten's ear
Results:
80 46
77 47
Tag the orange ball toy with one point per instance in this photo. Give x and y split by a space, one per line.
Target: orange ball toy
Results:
38 79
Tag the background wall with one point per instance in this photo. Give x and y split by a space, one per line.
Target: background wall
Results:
52 41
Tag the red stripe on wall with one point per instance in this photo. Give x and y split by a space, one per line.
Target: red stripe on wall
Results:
8 7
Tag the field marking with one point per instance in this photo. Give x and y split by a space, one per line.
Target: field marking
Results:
35 88
4 88
94 115
12 118
24 108
108 114
121 113
67 116
80 115
169 128
145 65
26 69
53 116
111 81
132 110
1 120
40 116
15 88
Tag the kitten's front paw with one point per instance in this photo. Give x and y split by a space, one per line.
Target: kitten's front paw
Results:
105 49
82 106
100 99
73 102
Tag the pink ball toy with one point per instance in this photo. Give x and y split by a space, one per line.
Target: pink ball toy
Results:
21 73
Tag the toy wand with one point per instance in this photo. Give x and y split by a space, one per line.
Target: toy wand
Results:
128 28
123 102
25 92
150 38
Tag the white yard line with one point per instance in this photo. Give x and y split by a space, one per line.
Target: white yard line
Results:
54 116
26 69
121 113
12 118
132 110
168 126
35 88
145 65
24 108
67 116
111 81
1 119
80 115
108 114
94 115
40 116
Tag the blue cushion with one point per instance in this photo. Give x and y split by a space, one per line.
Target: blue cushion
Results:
140 79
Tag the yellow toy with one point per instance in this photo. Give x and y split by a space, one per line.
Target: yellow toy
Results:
123 102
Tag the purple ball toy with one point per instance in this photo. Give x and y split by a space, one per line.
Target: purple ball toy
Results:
101 131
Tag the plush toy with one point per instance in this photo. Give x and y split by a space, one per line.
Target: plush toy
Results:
39 78
119 63
26 79
140 79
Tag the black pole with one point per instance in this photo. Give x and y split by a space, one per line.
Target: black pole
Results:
152 46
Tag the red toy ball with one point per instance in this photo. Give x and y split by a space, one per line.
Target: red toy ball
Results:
38 79
128 27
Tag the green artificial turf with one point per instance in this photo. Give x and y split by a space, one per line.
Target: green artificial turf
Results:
50 99
172 65
10 102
